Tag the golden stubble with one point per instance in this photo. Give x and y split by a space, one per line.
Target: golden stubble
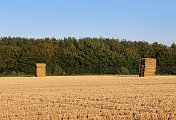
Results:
88 97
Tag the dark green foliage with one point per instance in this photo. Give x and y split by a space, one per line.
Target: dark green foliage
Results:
124 71
4 73
57 70
71 56
13 73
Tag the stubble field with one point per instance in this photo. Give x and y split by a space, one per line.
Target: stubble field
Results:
88 97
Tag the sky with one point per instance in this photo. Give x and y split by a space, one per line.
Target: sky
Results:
134 20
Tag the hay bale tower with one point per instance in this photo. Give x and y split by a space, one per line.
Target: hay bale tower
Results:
40 70
147 67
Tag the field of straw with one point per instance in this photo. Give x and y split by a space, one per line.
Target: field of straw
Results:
88 97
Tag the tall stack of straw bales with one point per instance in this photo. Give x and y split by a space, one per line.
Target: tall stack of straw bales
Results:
40 70
147 67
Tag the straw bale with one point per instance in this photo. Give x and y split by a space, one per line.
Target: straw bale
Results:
147 67
40 70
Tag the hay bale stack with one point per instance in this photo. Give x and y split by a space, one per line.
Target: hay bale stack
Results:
40 70
147 67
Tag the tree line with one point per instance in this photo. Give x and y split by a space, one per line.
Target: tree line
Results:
71 56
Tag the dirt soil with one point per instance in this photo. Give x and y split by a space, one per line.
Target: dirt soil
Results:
88 97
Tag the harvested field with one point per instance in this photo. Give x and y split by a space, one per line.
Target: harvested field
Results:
88 97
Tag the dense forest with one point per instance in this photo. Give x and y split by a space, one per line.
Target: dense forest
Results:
71 56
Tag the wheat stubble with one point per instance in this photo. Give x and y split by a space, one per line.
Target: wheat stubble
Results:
88 97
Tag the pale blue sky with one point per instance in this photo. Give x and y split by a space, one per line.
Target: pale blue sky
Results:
135 20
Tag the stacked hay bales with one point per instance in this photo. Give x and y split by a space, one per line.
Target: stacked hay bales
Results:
40 70
147 67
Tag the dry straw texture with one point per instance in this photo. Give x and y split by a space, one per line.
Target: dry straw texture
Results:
147 67
88 97
40 70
